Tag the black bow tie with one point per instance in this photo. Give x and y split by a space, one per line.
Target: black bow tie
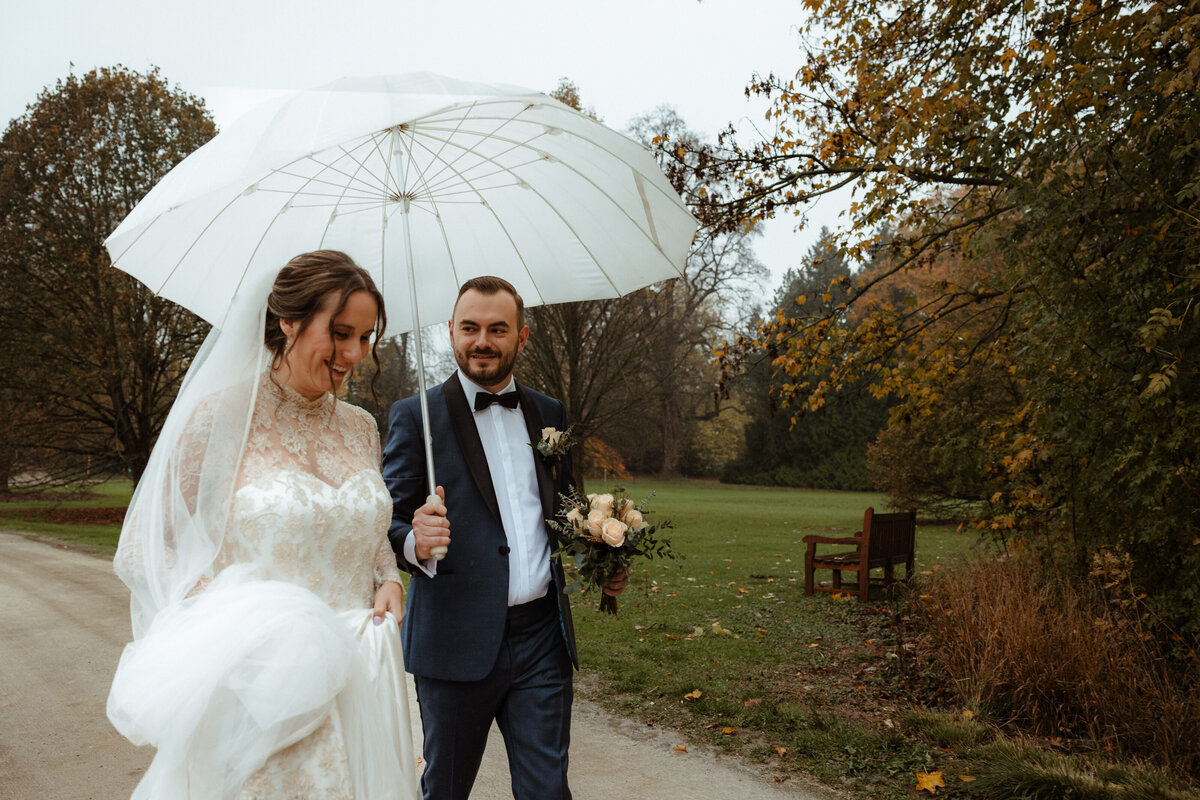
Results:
483 400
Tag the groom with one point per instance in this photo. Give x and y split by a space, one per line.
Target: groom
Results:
487 631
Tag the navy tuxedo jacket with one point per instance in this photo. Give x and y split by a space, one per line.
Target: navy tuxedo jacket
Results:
454 622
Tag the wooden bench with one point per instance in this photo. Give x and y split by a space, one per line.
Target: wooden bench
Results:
885 540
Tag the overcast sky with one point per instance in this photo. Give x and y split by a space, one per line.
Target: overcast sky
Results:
626 56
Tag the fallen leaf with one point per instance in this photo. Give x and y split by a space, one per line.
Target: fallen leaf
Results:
780 778
681 748
782 751
929 781
814 644
966 778
672 636
728 730
752 702
693 695
717 629
968 713
743 591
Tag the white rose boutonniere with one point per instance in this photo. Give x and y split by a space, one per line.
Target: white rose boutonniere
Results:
553 445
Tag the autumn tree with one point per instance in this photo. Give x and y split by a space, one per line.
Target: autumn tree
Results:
1062 138
591 355
695 312
635 371
93 360
588 354
941 460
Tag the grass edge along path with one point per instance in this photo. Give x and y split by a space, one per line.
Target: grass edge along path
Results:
69 514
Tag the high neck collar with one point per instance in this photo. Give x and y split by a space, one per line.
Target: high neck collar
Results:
288 396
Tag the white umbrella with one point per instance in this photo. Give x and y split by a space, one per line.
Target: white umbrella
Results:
425 181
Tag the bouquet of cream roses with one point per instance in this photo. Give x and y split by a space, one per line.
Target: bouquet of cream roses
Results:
602 534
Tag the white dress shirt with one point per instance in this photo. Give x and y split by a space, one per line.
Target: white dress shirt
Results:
510 460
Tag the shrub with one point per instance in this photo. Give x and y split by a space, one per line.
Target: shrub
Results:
1053 659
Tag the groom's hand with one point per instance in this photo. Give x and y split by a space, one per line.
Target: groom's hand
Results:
430 527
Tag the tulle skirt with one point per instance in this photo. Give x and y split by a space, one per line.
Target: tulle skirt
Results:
248 668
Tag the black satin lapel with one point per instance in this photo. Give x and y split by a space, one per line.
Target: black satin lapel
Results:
533 423
463 422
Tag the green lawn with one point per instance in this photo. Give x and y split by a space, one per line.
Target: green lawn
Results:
729 620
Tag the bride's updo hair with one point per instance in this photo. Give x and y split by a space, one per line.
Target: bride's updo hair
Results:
299 294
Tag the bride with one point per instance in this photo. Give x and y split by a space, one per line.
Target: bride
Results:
265 596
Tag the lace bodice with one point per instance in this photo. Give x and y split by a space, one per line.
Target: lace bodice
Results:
310 506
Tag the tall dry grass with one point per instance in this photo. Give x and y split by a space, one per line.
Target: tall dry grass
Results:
1056 660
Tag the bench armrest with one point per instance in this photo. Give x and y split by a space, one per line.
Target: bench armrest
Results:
812 538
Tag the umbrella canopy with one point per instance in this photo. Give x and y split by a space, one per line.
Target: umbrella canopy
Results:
426 182
422 173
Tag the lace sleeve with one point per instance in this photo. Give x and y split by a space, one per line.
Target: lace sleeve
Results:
385 564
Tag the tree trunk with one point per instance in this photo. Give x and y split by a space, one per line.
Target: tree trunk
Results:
670 436
6 444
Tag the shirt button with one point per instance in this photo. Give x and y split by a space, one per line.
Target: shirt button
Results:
504 549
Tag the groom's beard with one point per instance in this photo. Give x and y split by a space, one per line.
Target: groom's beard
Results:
490 373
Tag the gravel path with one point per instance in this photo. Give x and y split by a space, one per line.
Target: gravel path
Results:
64 618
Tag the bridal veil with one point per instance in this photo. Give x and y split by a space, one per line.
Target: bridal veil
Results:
227 669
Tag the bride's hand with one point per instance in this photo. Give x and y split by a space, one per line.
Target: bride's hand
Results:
389 597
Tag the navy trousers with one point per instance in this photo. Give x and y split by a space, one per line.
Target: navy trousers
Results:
528 693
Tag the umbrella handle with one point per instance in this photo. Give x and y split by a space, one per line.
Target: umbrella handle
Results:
438 552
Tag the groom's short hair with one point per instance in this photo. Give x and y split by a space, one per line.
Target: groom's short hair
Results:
490 284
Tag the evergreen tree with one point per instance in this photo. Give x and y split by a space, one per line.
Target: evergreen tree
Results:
819 450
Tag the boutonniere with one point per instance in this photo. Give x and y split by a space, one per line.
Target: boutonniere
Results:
553 445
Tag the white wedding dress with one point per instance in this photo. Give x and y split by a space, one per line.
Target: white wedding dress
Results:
270 682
